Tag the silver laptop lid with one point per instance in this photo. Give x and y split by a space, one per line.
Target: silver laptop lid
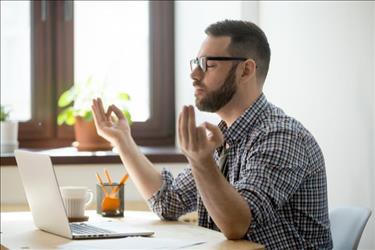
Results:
42 192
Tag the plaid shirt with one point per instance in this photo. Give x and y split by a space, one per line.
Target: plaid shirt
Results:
276 165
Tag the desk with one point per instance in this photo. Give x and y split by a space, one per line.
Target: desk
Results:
19 232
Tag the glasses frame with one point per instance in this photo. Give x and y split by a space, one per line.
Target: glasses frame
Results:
202 61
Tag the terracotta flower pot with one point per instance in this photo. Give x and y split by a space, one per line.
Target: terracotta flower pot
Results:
86 137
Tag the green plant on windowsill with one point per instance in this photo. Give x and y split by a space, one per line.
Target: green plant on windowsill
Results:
4 115
8 132
76 110
76 102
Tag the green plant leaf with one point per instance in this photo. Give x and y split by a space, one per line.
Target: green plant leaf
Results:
66 116
4 115
81 112
87 116
61 118
128 116
123 96
67 97
70 120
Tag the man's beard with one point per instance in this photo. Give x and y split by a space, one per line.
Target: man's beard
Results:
215 100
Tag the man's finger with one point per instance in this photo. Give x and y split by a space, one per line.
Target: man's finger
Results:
179 131
109 112
95 114
101 108
217 136
192 127
96 107
201 135
117 112
184 129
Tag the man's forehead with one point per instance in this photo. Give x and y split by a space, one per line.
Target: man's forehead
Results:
215 46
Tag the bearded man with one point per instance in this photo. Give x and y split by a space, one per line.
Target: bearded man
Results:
259 175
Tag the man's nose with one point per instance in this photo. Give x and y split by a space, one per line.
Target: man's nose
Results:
196 74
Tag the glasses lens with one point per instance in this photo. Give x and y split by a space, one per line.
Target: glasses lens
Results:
198 62
193 64
203 63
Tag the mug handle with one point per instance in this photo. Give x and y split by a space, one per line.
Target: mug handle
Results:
91 196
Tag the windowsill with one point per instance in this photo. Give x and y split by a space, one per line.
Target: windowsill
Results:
70 155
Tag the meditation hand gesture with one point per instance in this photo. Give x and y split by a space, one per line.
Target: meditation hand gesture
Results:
113 130
195 143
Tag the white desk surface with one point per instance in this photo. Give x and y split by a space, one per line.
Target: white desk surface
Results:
19 232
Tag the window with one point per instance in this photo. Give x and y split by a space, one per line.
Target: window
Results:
59 31
15 58
118 34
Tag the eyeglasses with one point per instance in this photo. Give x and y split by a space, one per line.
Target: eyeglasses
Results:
201 62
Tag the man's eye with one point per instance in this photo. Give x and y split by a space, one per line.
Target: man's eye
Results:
211 66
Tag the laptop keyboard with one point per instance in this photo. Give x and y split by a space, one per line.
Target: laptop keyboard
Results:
85 229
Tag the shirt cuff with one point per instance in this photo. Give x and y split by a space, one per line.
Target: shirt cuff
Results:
167 181
260 207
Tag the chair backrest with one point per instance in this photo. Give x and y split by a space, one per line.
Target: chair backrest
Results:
347 225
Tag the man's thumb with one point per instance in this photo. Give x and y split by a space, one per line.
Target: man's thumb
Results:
217 136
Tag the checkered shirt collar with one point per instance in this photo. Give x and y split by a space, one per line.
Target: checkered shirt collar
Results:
245 122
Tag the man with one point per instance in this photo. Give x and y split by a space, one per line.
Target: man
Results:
259 175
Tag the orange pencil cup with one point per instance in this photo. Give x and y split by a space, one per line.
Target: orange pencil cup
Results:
110 204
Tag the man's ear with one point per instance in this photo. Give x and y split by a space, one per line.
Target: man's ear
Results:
248 68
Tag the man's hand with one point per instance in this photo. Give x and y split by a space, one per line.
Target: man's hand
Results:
195 143
113 130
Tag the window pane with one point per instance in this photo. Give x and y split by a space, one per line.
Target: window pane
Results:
112 45
15 58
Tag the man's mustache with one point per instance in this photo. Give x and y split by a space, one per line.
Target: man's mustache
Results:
198 84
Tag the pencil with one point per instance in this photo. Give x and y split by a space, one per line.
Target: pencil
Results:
122 182
101 184
106 173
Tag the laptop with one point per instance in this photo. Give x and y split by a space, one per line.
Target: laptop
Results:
47 206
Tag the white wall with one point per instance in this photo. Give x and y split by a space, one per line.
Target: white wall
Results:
322 73
73 175
192 18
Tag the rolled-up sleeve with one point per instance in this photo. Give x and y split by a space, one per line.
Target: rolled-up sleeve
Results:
177 196
272 171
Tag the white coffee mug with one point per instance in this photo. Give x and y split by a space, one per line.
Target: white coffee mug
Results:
76 199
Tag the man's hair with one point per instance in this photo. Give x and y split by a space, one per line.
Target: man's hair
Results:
247 40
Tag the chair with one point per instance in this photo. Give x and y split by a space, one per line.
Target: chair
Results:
347 225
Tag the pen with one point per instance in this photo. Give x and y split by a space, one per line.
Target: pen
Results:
123 180
101 184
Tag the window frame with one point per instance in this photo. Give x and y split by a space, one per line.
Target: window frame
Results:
52 39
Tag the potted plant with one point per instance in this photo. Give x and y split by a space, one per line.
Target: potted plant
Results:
9 132
76 110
